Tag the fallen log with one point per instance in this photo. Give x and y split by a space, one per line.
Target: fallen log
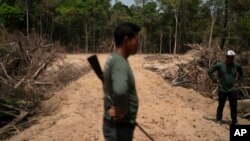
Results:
15 121
247 115
7 113
244 106
42 83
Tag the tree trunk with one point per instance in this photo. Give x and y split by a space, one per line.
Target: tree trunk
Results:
180 39
160 41
144 43
27 19
182 25
176 28
47 25
41 26
94 40
141 45
211 31
86 37
154 49
224 33
170 41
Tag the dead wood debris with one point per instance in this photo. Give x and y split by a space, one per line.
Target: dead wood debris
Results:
19 67
26 78
193 73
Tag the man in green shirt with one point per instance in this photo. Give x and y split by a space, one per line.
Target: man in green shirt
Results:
228 84
121 101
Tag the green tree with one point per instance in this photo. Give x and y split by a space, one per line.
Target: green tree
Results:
240 21
174 6
10 16
150 21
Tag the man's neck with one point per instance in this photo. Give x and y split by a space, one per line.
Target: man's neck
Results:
228 63
120 51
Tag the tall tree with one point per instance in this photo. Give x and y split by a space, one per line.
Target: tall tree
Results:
11 16
224 33
241 22
213 7
27 18
174 5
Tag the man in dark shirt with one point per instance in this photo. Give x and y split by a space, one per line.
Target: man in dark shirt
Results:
121 101
228 84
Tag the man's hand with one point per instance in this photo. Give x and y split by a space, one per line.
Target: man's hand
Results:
112 111
236 85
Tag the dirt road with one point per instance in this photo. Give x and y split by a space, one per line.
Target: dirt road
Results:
167 113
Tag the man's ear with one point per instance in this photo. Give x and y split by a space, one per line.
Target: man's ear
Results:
125 39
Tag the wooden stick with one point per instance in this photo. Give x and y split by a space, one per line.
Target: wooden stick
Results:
185 74
244 87
48 45
214 91
182 82
42 83
245 93
39 70
10 107
8 113
247 115
35 75
5 72
5 82
19 83
13 122
18 131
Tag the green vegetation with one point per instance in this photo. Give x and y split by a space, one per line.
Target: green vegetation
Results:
167 25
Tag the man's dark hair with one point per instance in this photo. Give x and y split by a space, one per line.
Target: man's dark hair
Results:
123 30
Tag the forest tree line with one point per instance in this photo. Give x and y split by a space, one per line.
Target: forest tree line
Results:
167 25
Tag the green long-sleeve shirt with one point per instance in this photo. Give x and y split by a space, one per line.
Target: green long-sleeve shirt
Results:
227 74
119 88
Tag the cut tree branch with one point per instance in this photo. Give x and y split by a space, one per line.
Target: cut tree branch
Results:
5 72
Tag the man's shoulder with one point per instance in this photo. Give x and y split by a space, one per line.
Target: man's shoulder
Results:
116 59
112 58
219 63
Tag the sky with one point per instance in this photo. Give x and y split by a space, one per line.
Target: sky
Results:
126 2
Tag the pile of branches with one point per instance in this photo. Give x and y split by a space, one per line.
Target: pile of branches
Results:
19 70
20 67
22 60
31 69
194 74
